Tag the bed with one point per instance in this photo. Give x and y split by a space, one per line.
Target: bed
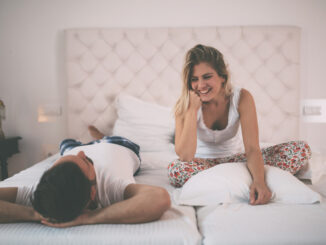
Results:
125 82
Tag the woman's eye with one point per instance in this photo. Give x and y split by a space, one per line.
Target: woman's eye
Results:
208 77
193 79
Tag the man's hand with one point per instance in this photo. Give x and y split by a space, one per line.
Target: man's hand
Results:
36 216
259 193
82 219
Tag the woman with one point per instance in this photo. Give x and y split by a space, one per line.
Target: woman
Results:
208 116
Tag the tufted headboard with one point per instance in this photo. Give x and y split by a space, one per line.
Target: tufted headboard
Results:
147 63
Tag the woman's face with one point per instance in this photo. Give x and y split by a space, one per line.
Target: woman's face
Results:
206 82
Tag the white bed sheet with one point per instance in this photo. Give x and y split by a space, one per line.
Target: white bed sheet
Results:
274 223
177 226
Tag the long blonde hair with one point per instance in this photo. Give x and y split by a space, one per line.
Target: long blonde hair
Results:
194 56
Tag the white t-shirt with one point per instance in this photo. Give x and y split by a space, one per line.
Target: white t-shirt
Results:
114 166
221 143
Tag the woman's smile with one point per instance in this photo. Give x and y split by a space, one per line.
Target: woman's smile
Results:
204 91
206 82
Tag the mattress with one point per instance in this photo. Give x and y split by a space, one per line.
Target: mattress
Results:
274 223
177 225
266 224
237 223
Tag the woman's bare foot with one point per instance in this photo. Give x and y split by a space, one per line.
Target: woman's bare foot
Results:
95 133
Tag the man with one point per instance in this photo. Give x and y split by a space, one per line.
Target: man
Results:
89 184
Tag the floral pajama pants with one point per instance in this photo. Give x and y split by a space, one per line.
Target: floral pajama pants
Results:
290 156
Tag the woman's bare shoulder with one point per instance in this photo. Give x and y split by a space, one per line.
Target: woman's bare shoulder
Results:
246 99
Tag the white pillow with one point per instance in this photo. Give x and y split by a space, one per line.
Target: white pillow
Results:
230 182
305 172
149 125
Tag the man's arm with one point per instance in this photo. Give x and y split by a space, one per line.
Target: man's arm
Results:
143 203
11 212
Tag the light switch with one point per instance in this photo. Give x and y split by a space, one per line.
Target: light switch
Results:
314 110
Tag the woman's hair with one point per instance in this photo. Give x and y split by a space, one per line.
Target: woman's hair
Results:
194 56
62 193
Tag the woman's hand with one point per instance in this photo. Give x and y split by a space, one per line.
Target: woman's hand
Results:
194 100
259 193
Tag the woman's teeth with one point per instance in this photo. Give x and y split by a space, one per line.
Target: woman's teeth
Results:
204 91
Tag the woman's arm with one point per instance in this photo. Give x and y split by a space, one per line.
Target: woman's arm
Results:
143 203
11 212
259 192
186 130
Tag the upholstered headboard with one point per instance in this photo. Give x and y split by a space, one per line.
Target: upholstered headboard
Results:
147 63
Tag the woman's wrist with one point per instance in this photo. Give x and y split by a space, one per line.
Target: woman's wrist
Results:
192 110
258 175
260 181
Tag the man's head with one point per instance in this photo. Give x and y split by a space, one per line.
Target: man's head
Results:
66 189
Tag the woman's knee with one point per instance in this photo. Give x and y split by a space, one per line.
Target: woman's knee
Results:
304 149
179 172
175 173
293 155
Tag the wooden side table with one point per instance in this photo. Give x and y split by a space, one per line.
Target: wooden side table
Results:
8 147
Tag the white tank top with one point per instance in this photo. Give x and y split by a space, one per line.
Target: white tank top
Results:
221 143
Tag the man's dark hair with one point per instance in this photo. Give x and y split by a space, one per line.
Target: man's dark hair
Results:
62 193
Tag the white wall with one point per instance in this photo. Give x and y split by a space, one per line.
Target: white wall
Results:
31 51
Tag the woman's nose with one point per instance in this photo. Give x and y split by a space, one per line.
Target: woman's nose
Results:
201 83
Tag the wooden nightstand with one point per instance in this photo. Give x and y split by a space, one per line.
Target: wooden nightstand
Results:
8 147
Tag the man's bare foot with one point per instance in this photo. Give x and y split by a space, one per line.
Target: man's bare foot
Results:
95 133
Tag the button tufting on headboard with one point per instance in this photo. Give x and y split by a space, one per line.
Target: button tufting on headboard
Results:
147 63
